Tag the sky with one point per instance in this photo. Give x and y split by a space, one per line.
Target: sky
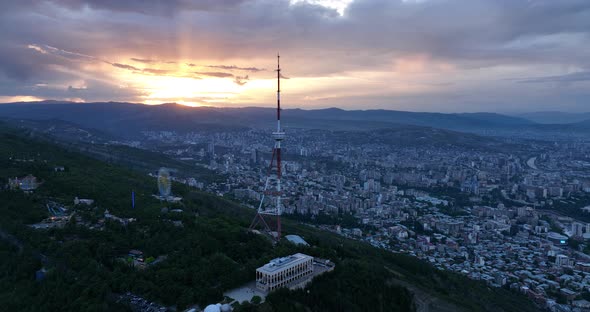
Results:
504 56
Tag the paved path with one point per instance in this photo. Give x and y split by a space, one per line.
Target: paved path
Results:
245 293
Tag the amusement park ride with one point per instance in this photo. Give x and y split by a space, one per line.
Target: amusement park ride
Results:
165 187
164 183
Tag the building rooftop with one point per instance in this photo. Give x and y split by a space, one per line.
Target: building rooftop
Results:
296 239
554 235
279 263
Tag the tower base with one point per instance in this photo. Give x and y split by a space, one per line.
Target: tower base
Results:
259 219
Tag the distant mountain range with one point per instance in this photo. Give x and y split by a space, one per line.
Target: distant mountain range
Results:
435 120
555 117
120 116
127 119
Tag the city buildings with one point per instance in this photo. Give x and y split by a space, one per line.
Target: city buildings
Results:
500 211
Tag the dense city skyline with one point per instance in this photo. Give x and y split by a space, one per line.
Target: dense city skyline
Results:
447 56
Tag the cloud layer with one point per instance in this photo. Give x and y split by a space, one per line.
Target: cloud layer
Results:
433 55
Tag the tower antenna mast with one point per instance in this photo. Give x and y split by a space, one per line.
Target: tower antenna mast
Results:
275 210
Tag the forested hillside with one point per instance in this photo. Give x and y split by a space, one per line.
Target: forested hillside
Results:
208 252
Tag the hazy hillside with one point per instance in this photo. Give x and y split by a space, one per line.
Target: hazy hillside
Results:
210 253
555 117
415 136
125 118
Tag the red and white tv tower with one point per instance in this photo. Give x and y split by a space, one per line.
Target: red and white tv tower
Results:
272 187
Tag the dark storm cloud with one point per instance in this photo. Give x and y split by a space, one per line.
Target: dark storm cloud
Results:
150 7
76 89
157 71
241 80
143 60
22 63
46 49
233 67
15 65
149 61
568 78
532 36
95 90
126 66
466 30
215 74
487 32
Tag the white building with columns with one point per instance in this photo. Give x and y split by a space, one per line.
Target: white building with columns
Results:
281 272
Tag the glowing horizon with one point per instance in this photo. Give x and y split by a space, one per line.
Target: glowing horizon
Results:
418 55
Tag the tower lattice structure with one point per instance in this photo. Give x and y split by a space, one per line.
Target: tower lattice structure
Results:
267 215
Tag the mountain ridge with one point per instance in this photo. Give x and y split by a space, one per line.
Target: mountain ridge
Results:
555 117
128 117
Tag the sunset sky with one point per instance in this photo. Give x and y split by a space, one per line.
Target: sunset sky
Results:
419 55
